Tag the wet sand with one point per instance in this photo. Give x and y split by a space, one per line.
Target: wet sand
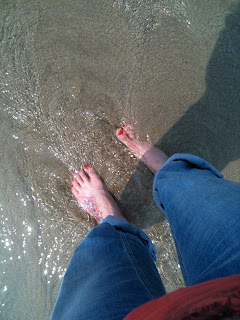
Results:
71 73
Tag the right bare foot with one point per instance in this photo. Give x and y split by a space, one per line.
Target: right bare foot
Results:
93 196
153 157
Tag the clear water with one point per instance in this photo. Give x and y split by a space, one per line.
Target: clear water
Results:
71 73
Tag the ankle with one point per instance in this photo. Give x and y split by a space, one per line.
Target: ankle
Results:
154 158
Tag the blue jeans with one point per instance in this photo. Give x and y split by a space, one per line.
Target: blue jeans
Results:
113 269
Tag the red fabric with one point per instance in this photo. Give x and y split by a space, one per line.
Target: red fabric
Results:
213 299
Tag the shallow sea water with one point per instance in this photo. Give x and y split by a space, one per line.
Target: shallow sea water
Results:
71 73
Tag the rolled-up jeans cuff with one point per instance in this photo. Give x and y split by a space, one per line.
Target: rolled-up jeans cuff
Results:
127 227
179 172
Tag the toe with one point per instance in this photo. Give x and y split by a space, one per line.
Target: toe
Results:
75 192
75 184
83 175
119 132
123 137
91 171
77 178
128 129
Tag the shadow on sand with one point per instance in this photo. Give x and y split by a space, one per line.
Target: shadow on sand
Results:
209 129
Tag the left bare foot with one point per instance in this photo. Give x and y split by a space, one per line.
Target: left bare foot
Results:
153 157
92 195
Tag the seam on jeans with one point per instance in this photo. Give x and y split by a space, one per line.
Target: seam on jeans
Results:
183 270
138 269
129 226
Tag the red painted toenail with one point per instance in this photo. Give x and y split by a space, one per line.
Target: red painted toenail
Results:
120 132
79 169
123 125
72 186
86 166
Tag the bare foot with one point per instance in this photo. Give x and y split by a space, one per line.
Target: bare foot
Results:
92 195
153 157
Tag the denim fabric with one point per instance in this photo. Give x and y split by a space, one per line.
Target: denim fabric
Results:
203 211
111 273
113 269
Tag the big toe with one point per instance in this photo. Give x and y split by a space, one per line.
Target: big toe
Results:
91 171
123 137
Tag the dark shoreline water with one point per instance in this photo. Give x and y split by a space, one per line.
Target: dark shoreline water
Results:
71 73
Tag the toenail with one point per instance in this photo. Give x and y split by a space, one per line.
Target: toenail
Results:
120 132
86 166
123 125
72 179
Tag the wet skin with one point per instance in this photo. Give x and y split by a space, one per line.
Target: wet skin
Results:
89 189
